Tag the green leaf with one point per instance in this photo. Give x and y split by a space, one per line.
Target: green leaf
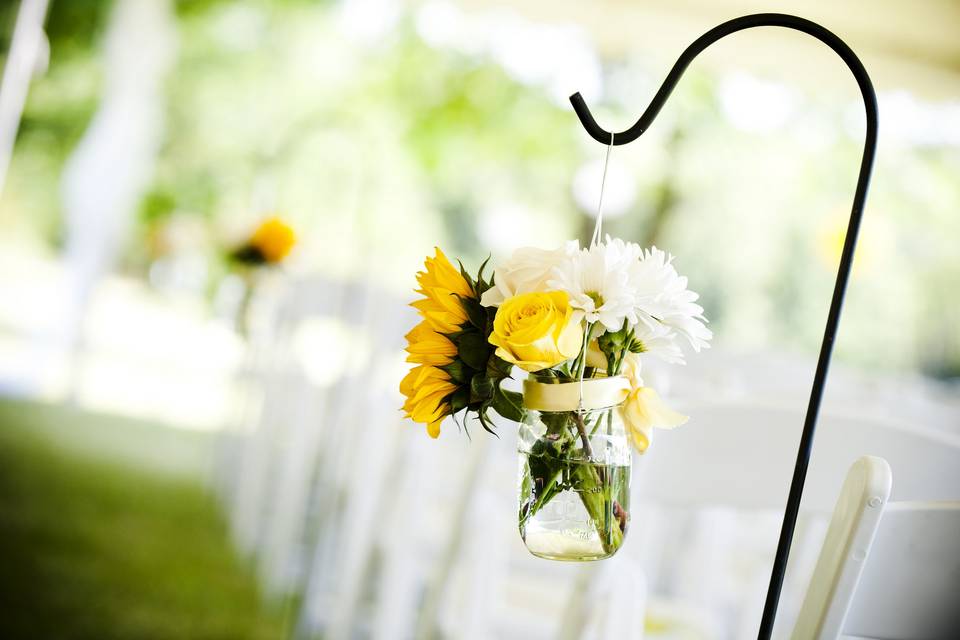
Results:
475 312
466 276
483 266
459 399
482 388
473 349
498 368
481 284
508 404
485 421
458 371
613 340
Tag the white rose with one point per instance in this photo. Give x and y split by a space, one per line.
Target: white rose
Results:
527 271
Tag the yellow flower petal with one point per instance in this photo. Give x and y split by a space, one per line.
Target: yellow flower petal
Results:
445 300
640 436
595 357
425 388
439 318
642 411
632 366
441 286
426 346
441 273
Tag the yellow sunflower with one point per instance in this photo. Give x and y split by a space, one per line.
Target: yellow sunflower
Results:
440 286
427 387
426 346
274 239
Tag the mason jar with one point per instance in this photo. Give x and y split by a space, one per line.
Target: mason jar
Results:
574 468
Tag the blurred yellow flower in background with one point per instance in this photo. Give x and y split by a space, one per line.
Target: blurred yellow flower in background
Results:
274 239
876 241
537 330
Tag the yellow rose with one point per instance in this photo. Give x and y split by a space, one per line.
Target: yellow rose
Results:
536 331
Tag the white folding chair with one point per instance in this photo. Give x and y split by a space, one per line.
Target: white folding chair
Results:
300 431
331 472
246 460
277 452
357 469
887 570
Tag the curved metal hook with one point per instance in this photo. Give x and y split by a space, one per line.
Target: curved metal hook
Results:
600 134
846 257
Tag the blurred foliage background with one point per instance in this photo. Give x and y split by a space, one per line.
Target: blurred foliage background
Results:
380 129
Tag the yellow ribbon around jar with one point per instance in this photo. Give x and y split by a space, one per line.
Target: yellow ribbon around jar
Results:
641 408
598 393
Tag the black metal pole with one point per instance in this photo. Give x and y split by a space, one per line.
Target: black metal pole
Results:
846 258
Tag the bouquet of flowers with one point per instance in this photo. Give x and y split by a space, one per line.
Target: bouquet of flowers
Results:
579 322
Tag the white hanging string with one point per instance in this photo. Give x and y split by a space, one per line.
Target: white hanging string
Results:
598 227
583 365
594 240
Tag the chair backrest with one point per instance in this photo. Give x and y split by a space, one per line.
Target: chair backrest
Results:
886 570
910 587
742 455
849 538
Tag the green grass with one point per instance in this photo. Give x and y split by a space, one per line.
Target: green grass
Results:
107 531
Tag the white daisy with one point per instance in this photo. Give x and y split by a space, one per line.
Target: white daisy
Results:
660 341
601 282
663 299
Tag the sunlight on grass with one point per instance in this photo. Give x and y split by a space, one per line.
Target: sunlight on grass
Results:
103 537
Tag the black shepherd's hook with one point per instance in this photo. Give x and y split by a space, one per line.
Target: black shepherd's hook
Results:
846 258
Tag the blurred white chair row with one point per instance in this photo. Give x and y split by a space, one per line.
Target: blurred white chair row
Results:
377 531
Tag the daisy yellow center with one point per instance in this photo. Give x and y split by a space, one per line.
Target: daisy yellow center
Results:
597 299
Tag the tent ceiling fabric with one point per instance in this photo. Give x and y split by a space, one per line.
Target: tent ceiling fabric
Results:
913 46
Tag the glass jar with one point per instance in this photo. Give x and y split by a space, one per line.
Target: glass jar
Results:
574 468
